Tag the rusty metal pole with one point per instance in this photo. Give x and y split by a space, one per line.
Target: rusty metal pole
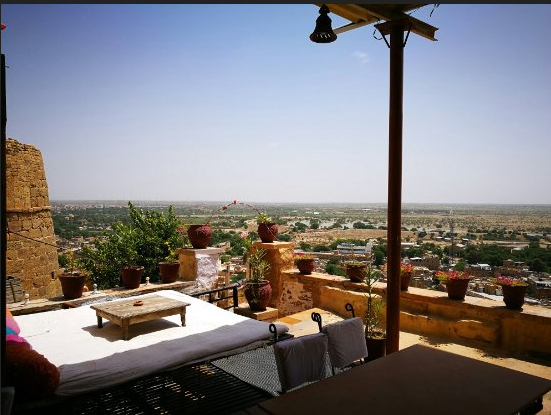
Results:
394 238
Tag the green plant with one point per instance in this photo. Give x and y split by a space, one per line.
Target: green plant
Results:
258 265
374 306
354 264
222 209
261 217
303 257
150 237
514 282
445 276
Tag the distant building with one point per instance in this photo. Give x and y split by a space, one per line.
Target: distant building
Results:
345 249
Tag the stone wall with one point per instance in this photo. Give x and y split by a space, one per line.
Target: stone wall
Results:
28 210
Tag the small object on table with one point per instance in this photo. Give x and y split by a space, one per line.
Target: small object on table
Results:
138 302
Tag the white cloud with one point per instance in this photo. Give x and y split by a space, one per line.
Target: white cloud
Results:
361 56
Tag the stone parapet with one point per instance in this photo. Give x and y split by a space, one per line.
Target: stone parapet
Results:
477 321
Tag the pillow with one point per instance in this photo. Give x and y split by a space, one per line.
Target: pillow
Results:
13 330
32 375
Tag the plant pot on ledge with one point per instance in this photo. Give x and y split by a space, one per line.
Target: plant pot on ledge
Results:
356 271
267 232
457 289
258 295
169 271
199 235
513 296
132 276
72 285
306 266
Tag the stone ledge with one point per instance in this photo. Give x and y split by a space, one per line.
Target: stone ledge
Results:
45 304
269 315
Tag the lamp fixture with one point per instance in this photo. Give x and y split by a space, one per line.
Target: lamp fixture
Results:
323 33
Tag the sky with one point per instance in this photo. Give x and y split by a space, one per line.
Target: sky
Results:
220 102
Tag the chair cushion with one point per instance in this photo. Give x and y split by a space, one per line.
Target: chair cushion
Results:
346 341
300 360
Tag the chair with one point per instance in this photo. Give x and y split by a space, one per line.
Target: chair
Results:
346 341
301 360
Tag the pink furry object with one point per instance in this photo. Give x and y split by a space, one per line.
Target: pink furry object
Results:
13 330
32 375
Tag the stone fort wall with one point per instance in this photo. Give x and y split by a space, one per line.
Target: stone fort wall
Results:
31 246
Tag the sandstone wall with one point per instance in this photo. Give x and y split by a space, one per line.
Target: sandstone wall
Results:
28 210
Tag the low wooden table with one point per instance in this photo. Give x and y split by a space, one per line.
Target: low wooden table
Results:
125 313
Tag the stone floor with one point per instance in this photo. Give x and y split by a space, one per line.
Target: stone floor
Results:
301 323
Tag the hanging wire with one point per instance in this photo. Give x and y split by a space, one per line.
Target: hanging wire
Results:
32 239
433 8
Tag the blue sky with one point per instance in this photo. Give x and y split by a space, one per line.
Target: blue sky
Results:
222 102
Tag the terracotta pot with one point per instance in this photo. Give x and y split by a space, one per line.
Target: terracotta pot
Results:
306 266
405 278
72 285
132 276
513 296
169 271
376 347
199 235
267 232
356 273
258 294
457 289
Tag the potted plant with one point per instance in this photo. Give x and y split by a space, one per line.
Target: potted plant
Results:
170 266
375 335
267 228
514 291
130 270
257 288
72 281
305 263
199 234
457 283
406 272
355 270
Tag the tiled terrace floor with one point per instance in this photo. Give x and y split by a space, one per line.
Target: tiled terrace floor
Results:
301 323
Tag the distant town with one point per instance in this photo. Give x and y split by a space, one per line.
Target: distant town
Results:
483 240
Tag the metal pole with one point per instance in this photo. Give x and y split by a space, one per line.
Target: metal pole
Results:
394 238
4 225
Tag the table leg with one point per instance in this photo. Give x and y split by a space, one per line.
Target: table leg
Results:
100 322
125 329
183 316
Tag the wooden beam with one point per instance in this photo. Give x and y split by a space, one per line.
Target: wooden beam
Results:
417 26
371 13
349 26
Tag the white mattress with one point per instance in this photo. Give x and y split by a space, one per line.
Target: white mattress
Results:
91 358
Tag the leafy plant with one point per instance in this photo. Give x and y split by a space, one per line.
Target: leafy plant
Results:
261 217
258 266
374 306
354 264
222 209
150 237
303 257
503 280
445 276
